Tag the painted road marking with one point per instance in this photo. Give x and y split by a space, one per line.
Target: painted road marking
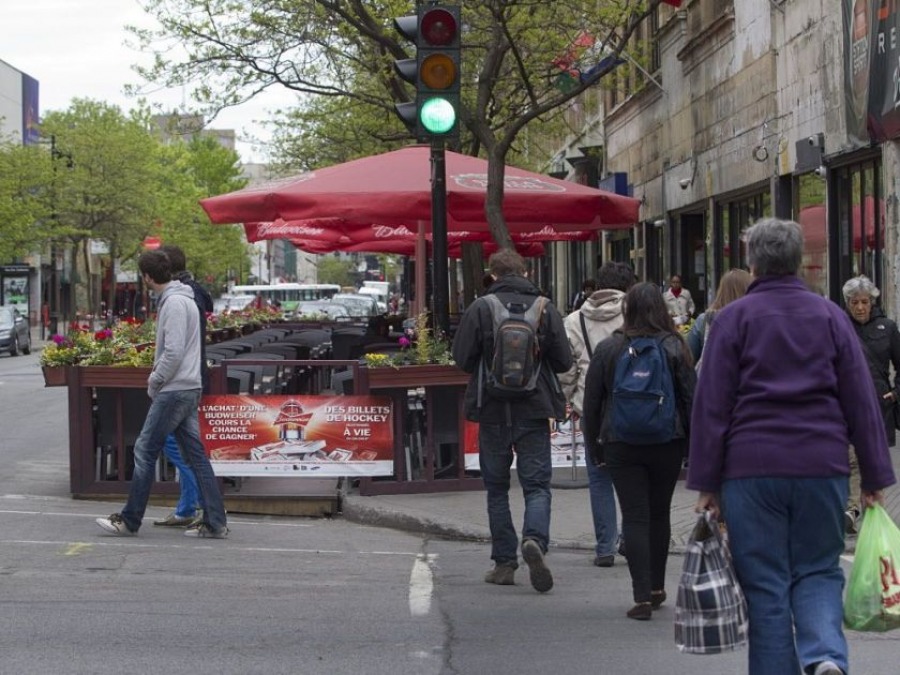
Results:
421 585
76 548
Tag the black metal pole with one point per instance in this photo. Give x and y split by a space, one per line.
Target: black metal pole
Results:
53 294
440 282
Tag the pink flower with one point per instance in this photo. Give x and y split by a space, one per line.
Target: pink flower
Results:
404 342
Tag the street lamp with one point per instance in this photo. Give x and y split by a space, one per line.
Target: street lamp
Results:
53 294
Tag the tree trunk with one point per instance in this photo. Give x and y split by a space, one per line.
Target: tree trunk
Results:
473 270
493 206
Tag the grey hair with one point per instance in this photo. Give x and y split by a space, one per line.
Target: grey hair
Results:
774 247
860 284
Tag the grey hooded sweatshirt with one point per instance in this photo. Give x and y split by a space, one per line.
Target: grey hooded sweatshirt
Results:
176 366
602 313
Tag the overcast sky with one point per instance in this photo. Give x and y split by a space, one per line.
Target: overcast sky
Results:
76 48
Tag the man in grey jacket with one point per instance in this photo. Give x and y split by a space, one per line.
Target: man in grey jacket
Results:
174 388
587 327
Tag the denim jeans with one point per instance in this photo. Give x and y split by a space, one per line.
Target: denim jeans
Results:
603 508
786 537
172 412
531 440
189 501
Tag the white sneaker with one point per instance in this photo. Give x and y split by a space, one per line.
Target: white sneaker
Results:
828 668
115 525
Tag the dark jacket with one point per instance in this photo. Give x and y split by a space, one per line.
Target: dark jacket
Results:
781 393
881 347
598 386
474 344
205 306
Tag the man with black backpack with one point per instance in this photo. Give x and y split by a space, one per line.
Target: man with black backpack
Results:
513 343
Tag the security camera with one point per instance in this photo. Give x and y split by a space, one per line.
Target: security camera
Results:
821 171
812 140
685 183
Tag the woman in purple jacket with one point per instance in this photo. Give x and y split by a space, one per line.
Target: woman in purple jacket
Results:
778 402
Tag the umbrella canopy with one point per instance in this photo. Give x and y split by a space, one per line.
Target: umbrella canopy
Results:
395 188
532 249
340 234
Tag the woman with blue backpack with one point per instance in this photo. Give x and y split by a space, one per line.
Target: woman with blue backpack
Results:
637 407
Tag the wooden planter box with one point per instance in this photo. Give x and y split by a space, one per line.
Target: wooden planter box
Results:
57 376
411 377
444 388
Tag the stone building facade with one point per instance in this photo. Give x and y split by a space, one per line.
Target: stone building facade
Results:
748 111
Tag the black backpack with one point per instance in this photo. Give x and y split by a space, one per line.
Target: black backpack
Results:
514 366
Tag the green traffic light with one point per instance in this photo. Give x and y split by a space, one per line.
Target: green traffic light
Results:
437 115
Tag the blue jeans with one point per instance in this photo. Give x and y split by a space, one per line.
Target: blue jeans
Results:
786 537
531 440
172 412
603 508
189 501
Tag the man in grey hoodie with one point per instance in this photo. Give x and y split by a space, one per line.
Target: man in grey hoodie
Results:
174 387
597 318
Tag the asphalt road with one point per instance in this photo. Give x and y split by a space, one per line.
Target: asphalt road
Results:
291 595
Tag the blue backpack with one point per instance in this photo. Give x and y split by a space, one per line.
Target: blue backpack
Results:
643 395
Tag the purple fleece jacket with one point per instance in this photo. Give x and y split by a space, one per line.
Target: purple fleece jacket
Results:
784 390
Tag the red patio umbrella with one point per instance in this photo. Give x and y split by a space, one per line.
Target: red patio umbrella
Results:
395 188
407 247
340 233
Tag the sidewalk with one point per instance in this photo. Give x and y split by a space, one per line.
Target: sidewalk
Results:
463 515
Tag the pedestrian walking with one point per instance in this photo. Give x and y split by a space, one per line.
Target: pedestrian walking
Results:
587 288
596 320
517 420
733 285
187 510
679 301
779 400
644 474
881 347
174 387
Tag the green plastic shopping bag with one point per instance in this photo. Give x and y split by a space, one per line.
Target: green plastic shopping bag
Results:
873 594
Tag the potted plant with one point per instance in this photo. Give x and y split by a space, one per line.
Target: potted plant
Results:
128 343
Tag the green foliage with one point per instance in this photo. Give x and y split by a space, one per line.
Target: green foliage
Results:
26 209
342 54
128 343
335 270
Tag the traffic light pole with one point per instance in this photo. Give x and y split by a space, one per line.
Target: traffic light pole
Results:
440 282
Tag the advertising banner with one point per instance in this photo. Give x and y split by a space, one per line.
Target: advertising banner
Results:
563 446
871 71
320 436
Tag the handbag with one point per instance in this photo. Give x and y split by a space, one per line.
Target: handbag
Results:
873 592
710 608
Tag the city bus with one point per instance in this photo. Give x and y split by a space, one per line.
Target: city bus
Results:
286 295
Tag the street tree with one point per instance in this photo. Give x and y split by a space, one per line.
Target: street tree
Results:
188 172
514 54
103 183
26 208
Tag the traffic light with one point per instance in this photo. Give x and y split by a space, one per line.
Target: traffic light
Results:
435 71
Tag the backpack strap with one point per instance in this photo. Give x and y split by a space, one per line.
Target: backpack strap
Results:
584 334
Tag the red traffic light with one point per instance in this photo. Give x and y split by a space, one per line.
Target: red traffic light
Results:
438 27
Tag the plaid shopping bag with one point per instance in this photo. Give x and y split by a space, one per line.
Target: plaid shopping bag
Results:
710 608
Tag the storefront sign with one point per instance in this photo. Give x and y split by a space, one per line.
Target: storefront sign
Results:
318 436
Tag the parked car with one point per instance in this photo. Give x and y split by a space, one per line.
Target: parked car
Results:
358 305
232 303
15 333
315 309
